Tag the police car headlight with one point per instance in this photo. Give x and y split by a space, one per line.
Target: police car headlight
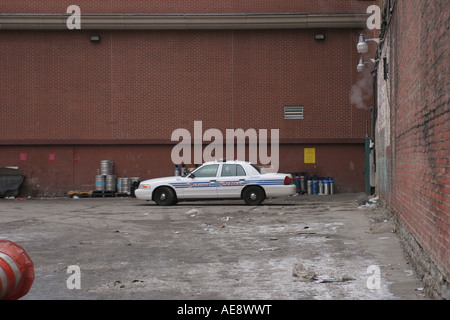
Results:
144 186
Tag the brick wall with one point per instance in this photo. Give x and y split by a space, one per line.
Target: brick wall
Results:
417 99
53 170
134 88
144 85
183 6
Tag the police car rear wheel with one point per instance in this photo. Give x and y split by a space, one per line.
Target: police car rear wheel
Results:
164 196
253 196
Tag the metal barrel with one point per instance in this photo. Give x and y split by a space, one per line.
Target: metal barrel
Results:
326 186
119 185
331 181
106 167
16 271
100 182
315 186
126 187
110 183
302 184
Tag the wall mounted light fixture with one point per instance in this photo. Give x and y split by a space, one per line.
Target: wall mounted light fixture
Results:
362 45
95 38
362 64
319 36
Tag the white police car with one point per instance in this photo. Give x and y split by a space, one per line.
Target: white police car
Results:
218 180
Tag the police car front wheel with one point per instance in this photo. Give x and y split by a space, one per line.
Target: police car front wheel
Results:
164 196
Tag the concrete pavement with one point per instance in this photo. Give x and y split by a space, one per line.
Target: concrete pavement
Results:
303 247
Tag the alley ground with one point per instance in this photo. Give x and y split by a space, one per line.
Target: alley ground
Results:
303 247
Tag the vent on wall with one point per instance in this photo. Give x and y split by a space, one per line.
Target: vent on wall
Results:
293 112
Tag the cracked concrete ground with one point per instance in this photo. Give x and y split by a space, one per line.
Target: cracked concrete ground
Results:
303 247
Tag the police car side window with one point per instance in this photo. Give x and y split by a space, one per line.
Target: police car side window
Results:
240 171
207 171
228 170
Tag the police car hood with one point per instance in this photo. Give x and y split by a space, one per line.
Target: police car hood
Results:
163 180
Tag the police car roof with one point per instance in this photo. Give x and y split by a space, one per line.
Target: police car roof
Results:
226 161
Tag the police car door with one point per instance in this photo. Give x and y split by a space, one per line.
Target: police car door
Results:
231 181
201 184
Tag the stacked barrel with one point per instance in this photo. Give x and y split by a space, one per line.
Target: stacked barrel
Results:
106 181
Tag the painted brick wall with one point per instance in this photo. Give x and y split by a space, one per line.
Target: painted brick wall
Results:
418 96
183 6
53 170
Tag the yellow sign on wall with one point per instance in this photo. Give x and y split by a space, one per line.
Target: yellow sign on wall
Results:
310 155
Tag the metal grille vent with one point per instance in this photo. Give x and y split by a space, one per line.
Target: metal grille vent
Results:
293 112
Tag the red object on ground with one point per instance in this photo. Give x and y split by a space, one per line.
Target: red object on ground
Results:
16 271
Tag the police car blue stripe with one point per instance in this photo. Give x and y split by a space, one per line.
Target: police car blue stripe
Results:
229 183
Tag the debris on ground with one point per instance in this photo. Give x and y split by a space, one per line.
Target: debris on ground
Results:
370 203
307 273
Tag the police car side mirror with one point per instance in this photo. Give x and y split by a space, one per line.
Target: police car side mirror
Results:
191 175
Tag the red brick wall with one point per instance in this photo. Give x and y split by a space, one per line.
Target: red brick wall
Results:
420 136
53 170
133 89
144 85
